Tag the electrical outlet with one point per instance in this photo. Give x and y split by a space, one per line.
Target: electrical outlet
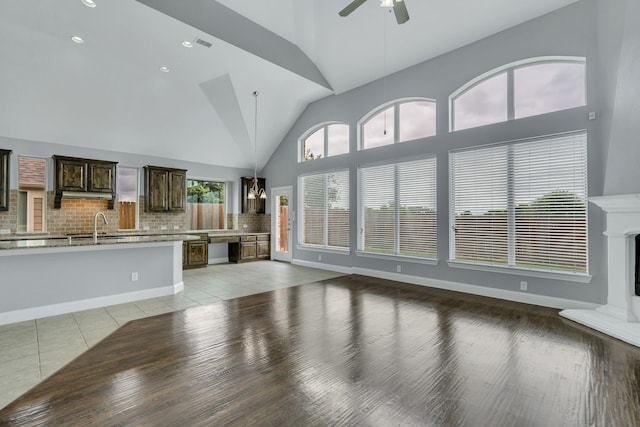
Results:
523 286
244 225
163 227
319 257
134 276
5 231
592 115
176 227
399 268
145 228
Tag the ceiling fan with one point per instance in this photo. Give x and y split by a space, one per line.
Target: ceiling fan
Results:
399 9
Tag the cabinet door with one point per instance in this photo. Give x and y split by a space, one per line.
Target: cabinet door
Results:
72 175
263 249
157 188
177 191
4 180
247 250
197 253
102 177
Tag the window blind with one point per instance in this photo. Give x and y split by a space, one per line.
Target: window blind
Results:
325 210
521 204
398 209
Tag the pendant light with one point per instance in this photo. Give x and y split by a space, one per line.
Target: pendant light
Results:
255 191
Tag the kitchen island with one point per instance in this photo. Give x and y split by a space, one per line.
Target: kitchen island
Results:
47 276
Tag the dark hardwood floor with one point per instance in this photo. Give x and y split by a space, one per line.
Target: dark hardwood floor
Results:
347 351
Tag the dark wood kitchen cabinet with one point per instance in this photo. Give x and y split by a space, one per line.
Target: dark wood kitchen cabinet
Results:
4 179
84 176
263 246
250 248
256 205
195 253
165 189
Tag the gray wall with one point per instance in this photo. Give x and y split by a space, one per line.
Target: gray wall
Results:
571 31
623 173
194 170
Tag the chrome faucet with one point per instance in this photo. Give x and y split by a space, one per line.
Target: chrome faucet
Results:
95 225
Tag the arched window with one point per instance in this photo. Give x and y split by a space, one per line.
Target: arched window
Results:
399 121
329 139
521 89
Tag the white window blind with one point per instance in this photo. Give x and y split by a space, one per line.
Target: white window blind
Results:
324 207
521 204
398 209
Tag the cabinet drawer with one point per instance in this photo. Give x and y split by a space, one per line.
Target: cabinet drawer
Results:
263 237
248 238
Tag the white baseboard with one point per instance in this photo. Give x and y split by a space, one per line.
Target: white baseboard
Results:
223 260
178 287
527 298
86 304
321 266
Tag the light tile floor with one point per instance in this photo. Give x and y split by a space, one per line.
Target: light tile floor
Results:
31 351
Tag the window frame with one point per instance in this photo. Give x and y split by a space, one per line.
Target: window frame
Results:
137 220
325 247
225 204
396 120
316 128
28 192
360 251
511 267
509 69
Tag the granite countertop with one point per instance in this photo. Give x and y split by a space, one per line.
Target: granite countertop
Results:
24 242
44 240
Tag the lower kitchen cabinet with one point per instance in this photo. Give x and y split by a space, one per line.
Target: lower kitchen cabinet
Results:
195 253
250 248
263 247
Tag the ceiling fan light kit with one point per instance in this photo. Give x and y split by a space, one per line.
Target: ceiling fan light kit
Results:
399 8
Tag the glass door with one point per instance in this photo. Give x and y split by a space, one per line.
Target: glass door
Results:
281 221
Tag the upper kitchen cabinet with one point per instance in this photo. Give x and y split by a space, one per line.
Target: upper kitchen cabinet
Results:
165 189
254 205
4 179
77 177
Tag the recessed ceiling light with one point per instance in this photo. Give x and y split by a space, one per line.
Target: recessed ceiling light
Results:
89 3
187 43
77 39
164 69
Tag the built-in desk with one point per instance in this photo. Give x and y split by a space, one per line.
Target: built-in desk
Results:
250 247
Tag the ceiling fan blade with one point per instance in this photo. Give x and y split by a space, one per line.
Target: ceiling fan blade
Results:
351 7
400 9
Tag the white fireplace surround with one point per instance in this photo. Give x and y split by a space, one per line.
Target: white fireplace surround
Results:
619 317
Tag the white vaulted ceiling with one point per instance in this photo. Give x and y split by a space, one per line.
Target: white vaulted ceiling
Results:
109 92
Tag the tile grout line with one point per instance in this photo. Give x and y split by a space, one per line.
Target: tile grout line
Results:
39 354
79 329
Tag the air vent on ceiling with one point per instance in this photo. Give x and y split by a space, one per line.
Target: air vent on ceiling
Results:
203 42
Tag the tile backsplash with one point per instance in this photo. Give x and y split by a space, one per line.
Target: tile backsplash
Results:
76 217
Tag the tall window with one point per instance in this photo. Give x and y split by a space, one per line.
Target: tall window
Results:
325 141
127 187
324 210
32 195
523 89
205 205
398 209
399 122
521 204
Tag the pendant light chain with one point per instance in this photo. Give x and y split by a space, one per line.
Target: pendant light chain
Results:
255 138
255 191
